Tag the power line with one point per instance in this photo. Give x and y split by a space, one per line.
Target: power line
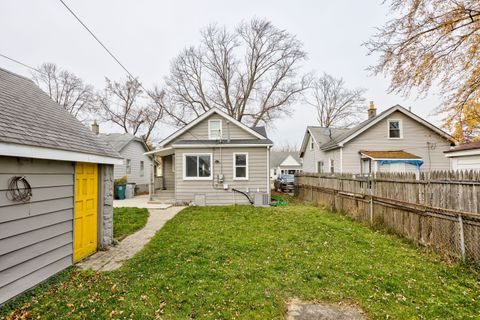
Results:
20 63
101 43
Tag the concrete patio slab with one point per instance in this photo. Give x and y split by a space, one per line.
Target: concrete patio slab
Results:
140 202
114 258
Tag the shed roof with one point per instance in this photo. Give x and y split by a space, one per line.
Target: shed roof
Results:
397 154
29 117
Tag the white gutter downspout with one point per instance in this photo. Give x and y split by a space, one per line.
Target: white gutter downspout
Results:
341 160
268 174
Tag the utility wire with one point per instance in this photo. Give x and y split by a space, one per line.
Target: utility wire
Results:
20 63
111 54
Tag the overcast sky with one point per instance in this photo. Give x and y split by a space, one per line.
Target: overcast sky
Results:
147 35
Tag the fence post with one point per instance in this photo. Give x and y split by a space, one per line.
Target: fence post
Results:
462 238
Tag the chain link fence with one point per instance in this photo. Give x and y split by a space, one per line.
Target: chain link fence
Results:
439 210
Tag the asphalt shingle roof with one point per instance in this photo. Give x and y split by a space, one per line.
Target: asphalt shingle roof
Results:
118 141
277 157
398 154
29 117
466 146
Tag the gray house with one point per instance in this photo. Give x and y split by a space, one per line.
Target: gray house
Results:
67 214
212 160
395 140
136 166
284 162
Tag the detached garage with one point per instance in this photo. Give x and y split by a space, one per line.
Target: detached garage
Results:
56 187
465 156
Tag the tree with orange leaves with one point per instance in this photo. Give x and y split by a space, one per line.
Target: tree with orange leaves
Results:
435 42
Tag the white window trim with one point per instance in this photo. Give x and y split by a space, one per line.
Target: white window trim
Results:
400 125
185 166
235 167
128 166
312 144
330 166
210 131
142 170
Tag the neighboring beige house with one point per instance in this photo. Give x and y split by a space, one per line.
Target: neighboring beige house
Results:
136 166
212 160
465 156
283 162
395 140
67 213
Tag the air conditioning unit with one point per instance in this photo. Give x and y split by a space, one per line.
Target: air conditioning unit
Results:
261 199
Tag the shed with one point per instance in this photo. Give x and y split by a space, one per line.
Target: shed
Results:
68 213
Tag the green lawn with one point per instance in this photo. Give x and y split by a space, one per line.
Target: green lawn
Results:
244 263
128 220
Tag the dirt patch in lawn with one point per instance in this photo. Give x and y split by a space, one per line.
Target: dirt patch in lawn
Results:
298 310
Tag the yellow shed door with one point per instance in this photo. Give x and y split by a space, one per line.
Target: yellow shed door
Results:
86 203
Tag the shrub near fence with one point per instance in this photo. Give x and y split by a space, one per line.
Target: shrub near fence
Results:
440 210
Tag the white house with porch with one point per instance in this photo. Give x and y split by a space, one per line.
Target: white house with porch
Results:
214 160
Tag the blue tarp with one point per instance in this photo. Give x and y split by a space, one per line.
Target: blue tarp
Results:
416 163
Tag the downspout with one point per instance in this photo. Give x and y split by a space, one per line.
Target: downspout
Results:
151 190
268 174
341 160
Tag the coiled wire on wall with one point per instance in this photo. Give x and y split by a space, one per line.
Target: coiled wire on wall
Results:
19 190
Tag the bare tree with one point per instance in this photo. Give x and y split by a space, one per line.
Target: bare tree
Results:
251 73
287 146
337 106
66 89
430 42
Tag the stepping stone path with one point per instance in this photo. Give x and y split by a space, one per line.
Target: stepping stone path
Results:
114 258
296 310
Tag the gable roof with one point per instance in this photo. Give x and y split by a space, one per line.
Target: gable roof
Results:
119 141
355 131
320 135
28 117
277 157
202 117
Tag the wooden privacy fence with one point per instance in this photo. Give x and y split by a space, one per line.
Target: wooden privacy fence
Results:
440 210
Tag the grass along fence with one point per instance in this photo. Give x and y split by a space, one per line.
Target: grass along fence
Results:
440 210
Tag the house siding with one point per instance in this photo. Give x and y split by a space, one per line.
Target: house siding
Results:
135 152
258 179
311 157
36 238
415 137
200 131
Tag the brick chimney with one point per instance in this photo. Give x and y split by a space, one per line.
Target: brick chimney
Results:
95 127
372 111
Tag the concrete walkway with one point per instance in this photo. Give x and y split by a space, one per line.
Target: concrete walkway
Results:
139 202
114 258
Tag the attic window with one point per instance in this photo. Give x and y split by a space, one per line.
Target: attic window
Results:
394 129
312 144
215 129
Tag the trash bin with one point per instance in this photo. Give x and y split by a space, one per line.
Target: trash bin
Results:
120 191
130 191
